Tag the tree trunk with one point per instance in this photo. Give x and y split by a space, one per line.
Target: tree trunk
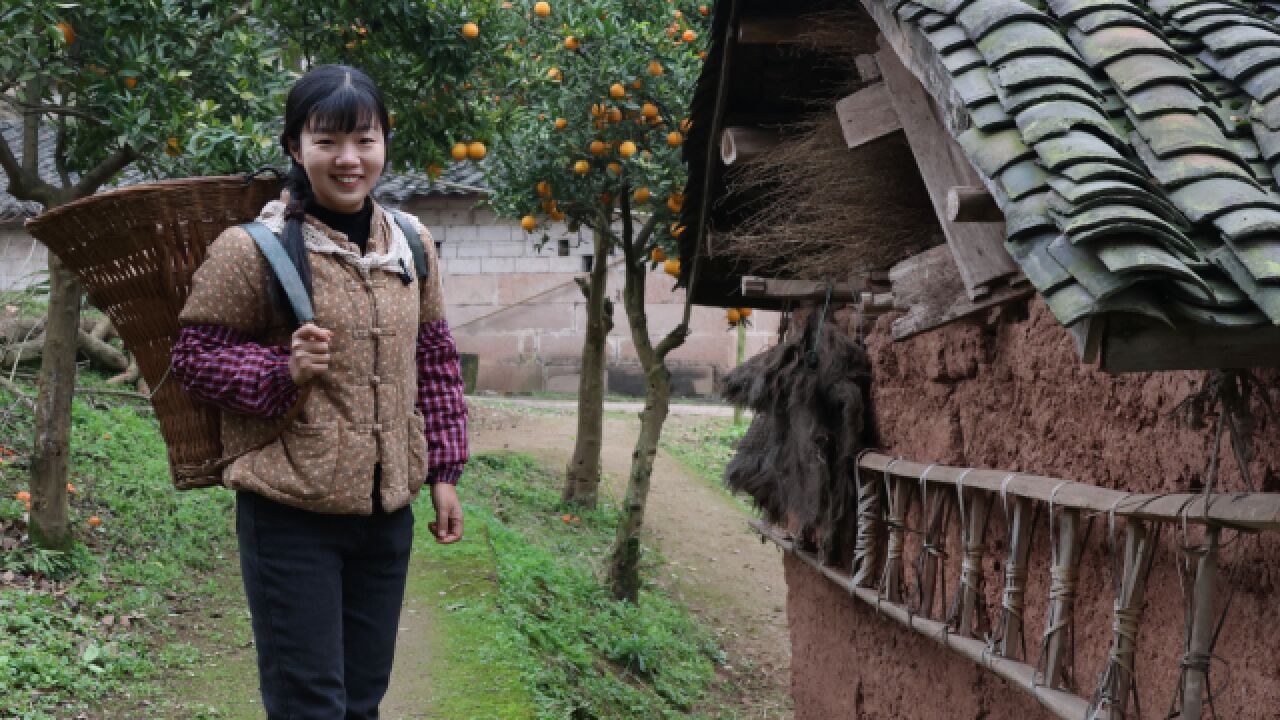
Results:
624 566
624 563
50 527
582 477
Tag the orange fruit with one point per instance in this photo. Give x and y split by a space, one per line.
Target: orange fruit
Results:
614 168
627 149
541 9
598 110
598 147
528 222
672 267
554 75
131 82
689 36
732 315
23 496
71 488
557 216
675 202
470 31
703 10
614 115
94 521
477 151
637 84
677 230
544 188
658 254
617 91
582 167
744 312
434 171
679 14
649 110
68 32
571 43
458 151
675 139
561 123
641 195
655 68
686 125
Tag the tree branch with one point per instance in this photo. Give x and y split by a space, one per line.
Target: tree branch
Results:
61 110
22 185
96 177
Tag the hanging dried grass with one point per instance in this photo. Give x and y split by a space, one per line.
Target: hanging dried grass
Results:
820 211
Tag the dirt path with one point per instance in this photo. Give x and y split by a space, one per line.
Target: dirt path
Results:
720 568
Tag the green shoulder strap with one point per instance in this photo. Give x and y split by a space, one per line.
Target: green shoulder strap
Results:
415 242
284 270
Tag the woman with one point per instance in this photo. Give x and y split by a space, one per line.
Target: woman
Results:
322 510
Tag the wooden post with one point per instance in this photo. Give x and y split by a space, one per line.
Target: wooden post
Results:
972 204
743 143
1015 577
867 115
971 563
1062 594
1195 676
901 496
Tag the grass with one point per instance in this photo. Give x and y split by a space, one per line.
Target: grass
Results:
144 617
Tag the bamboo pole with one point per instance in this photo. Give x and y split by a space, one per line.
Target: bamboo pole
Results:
1062 592
1015 578
1196 661
1245 511
901 496
1138 550
971 564
1063 705
932 549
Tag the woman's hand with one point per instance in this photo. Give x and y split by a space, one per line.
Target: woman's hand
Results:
448 525
308 353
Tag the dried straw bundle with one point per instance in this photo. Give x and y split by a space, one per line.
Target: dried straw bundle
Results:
798 458
816 208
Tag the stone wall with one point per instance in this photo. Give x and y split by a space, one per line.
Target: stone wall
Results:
1008 392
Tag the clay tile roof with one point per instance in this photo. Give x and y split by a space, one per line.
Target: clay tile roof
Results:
1133 146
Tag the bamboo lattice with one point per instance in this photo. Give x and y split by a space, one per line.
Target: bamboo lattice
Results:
887 486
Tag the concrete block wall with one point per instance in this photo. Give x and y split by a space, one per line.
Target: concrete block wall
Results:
22 259
511 299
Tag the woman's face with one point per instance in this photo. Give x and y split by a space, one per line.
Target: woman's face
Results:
343 166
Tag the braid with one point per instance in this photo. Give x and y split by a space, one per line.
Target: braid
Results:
299 187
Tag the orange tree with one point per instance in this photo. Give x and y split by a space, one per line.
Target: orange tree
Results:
589 133
181 87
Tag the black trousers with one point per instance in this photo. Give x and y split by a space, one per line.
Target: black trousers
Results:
325 594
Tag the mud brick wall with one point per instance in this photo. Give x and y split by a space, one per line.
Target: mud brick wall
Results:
1008 392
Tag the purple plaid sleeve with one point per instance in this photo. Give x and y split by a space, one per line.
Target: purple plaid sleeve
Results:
441 401
225 367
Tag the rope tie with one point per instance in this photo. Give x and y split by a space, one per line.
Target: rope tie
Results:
1062 586
1124 624
1196 661
1014 589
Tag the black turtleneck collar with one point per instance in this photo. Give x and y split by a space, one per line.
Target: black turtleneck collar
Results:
354 225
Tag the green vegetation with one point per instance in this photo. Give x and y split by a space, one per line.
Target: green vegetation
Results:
144 617
706 447
77 628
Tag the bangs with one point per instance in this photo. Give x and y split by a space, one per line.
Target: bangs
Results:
346 110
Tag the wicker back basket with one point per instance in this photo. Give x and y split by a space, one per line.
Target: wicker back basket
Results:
135 250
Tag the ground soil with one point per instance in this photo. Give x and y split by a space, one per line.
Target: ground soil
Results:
718 566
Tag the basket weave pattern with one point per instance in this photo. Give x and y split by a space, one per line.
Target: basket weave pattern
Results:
135 250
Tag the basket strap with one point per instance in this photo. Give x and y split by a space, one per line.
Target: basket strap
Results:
415 243
285 271
211 468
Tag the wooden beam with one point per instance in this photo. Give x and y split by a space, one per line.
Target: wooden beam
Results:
867 115
930 286
868 70
774 289
978 247
781 31
1131 344
743 143
972 204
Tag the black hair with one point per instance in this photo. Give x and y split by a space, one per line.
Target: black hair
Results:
328 98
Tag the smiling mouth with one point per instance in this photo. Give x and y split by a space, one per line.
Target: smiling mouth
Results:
348 179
